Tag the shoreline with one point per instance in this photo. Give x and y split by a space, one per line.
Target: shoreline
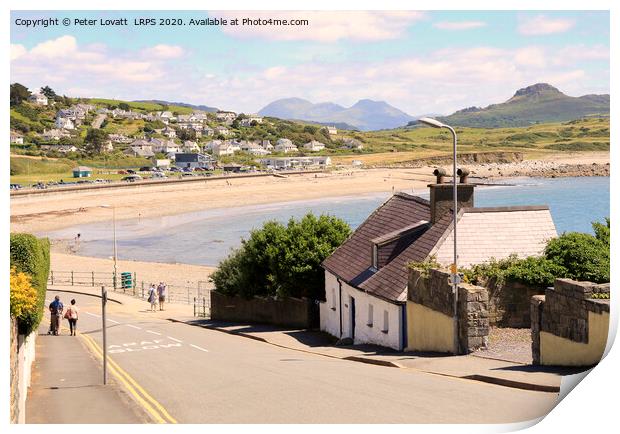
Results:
55 211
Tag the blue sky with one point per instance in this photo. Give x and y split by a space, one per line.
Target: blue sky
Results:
420 62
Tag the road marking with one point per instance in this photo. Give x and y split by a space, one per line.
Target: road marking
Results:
125 378
173 339
133 326
152 332
198 348
93 314
111 320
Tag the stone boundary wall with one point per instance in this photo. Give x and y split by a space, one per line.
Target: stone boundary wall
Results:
435 293
22 354
287 312
564 312
509 304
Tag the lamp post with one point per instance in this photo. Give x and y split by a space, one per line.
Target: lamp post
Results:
454 271
113 237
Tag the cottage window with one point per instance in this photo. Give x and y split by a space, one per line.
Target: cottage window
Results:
386 322
370 315
333 298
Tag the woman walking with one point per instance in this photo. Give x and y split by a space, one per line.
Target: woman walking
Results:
72 315
152 297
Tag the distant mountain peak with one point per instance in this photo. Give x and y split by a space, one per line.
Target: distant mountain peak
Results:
537 89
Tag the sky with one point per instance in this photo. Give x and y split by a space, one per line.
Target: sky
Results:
420 62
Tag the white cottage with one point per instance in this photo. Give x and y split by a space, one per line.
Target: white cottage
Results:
366 277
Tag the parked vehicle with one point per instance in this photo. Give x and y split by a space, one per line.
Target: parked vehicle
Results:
159 175
146 169
132 178
189 174
131 171
15 186
175 169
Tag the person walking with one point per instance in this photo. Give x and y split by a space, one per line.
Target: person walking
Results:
55 309
152 297
72 316
161 292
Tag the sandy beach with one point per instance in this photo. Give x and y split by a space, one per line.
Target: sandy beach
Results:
56 210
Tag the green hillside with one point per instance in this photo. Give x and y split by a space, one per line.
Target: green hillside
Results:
539 103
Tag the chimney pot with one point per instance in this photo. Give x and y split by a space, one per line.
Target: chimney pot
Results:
463 174
440 173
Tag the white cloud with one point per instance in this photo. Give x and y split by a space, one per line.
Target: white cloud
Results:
17 50
531 56
163 51
323 26
542 25
459 25
59 47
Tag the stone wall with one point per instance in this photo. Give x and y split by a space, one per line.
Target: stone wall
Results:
14 372
509 304
287 312
472 317
565 312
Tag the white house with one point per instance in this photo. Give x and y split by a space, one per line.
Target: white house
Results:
61 149
226 117
247 121
17 138
331 130
64 123
296 162
253 148
164 146
314 146
169 132
285 146
55 134
38 99
189 147
366 277
351 143
223 148
220 130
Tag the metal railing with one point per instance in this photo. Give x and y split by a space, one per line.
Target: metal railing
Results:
202 307
175 293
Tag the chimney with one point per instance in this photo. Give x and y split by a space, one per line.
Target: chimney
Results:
441 196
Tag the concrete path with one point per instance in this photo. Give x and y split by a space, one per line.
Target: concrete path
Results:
67 386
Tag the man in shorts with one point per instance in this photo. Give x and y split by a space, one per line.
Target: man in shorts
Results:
56 309
161 292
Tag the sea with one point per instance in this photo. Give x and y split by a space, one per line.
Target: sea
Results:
206 237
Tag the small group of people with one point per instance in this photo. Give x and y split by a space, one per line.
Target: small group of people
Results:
157 295
56 309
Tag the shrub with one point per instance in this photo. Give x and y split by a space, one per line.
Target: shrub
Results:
23 295
31 255
584 256
279 260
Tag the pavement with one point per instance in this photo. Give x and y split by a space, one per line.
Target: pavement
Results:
192 370
67 385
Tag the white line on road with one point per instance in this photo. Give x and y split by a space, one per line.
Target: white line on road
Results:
152 332
93 314
111 320
198 348
133 326
173 339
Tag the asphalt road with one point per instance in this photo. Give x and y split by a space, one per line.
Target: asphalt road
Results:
205 376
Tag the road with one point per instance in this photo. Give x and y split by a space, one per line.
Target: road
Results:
204 376
96 123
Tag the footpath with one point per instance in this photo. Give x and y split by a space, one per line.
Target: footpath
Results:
67 385
469 367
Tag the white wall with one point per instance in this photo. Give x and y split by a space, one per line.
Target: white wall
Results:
26 354
364 333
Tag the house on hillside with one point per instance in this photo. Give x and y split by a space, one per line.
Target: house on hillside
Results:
226 117
140 148
351 143
169 132
61 149
55 134
254 148
220 130
38 99
223 148
331 130
366 277
283 163
190 147
16 138
193 160
247 121
64 123
285 146
314 146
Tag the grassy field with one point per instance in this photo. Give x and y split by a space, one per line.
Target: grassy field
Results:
143 106
405 144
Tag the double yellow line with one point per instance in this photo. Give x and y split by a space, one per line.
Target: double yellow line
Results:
150 404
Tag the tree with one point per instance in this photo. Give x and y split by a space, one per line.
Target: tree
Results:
124 106
95 141
19 93
188 134
48 92
281 260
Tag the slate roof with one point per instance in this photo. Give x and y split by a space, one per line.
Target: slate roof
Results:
352 261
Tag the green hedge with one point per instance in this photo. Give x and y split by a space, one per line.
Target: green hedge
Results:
31 255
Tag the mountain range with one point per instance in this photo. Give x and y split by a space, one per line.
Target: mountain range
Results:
533 104
364 115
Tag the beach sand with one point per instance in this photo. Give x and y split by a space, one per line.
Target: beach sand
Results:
38 213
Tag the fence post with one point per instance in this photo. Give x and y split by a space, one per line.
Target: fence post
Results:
93 280
72 278
142 284
204 308
52 274
194 306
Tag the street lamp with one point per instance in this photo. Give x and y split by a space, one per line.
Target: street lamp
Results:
114 237
454 272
